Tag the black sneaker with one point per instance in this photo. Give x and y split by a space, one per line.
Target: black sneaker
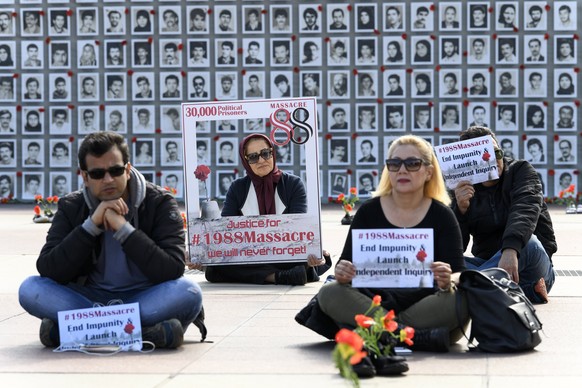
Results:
167 334
295 276
49 333
431 340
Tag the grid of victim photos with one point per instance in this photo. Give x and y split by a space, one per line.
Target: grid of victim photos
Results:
379 69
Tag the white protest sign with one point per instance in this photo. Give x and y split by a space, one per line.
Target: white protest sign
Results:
118 325
254 239
393 258
468 160
289 123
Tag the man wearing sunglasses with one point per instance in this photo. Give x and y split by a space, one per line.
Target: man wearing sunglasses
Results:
509 222
119 238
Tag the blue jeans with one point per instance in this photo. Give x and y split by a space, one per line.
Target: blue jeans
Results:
181 299
533 264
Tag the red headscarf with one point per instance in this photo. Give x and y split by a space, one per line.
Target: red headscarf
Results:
264 186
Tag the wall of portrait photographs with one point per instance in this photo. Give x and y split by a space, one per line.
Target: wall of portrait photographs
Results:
379 69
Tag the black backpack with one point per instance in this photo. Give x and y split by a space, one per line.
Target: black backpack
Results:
503 319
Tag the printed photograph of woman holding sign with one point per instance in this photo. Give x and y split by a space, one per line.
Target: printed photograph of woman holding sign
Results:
266 190
411 195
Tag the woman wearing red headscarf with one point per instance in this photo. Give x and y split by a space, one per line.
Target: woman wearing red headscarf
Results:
266 190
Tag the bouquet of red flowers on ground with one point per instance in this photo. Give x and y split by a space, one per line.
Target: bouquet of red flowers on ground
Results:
369 348
45 208
348 201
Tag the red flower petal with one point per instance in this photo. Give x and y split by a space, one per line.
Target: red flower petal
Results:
404 36
556 137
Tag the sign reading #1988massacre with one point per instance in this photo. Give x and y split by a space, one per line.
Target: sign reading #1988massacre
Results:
240 234
393 258
471 160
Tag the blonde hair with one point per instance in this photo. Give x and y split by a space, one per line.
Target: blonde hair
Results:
433 188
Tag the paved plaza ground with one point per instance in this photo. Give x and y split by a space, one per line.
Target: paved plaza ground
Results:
253 340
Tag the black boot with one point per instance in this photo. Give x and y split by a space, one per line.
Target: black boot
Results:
365 369
431 340
389 365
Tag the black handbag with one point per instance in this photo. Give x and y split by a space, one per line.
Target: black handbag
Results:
503 319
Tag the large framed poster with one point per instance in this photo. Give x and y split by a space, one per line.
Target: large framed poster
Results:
290 124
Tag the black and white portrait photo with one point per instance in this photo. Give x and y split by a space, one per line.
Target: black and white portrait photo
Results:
281 84
253 19
394 17
565 15
450 16
281 52
116 118
506 117
507 15
59 21
310 51
478 82
536 18
507 82
367 150
338 83
338 151
226 52
32 153
225 21
395 84
450 83
507 50
478 113
142 20
394 117
535 82
422 50
365 17
535 117
169 20
394 50
254 52
478 49
422 83
535 49
478 16
366 51
565 82
422 117
449 50
281 19
198 19
338 16
421 17
450 117
339 118
367 119
564 116
565 150
115 20
89 119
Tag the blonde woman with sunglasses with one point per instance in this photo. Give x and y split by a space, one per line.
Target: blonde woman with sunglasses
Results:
411 194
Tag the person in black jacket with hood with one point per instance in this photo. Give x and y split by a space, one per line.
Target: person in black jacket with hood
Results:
509 222
119 238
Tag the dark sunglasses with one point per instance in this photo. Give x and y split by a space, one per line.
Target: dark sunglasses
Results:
499 154
411 164
99 173
266 153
